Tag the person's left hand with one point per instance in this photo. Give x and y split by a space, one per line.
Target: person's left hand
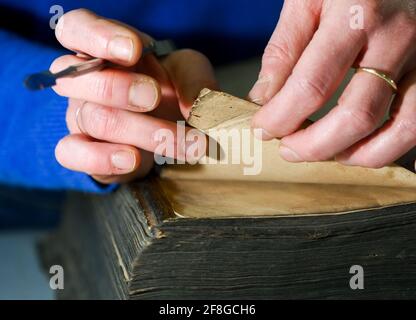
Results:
118 117
309 54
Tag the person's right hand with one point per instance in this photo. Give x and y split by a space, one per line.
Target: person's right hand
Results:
114 115
314 45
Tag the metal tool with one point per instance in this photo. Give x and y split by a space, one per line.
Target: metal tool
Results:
45 79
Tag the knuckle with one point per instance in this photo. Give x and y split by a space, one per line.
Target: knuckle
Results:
314 90
406 20
101 122
277 52
103 86
406 29
314 7
362 121
407 126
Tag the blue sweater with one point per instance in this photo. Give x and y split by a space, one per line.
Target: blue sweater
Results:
33 122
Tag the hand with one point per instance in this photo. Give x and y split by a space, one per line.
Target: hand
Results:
309 54
114 115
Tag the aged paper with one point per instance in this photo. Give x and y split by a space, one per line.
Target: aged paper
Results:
280 187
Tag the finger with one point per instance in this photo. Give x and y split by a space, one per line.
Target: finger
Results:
314 79
360 111
79 153
83 31
395 138
146 164
137 129
189 81
398 57
361 107
285 47
111 87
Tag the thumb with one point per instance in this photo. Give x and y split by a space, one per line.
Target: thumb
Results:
298 22
190 71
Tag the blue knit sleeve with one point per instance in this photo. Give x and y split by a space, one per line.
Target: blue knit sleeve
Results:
32 123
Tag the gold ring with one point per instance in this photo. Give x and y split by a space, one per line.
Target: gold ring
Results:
78 118
381 75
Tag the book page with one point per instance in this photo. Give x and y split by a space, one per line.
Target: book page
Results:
271 185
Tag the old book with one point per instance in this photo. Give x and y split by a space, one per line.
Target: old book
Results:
211 231
280 187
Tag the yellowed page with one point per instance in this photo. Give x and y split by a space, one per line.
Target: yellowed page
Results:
214 111
280 187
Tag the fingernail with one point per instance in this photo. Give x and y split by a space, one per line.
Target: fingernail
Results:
289 155
121 48
143 94
259 90
124 160
262 134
